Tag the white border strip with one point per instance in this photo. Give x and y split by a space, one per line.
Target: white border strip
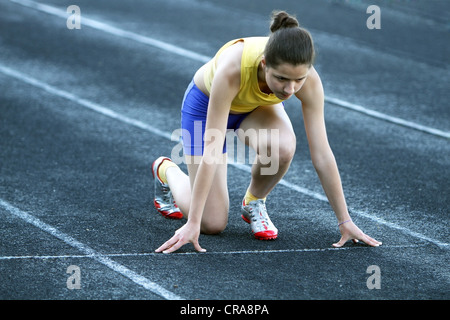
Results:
153 254
202 58
112 114
133 276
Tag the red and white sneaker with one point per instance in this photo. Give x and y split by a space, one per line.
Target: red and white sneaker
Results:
255 213
163 200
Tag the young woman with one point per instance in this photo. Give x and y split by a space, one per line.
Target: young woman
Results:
243 88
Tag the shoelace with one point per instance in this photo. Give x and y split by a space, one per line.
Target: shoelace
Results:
262 208
167 194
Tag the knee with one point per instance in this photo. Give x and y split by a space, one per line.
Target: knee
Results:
284 149
213 226
286 153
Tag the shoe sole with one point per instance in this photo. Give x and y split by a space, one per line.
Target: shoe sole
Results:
165 214
260 235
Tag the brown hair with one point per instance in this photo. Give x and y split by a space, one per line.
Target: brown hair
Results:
288 42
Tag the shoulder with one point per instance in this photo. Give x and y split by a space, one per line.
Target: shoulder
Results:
232 55
228 64
312 90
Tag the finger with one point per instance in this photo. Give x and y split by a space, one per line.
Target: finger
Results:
169 243
341 242
371 241
198 247
173 248
164 246
180 242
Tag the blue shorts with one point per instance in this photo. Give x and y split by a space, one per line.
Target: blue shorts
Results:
193 121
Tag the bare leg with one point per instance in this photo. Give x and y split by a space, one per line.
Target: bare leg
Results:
274 150
180 186
215 214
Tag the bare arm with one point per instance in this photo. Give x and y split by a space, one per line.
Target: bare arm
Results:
312 97
225 87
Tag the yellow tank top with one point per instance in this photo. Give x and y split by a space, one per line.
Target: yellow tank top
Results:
250 95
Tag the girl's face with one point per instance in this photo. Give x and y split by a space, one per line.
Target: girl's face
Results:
286 79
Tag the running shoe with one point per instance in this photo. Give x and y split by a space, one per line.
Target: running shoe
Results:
164 202
255 213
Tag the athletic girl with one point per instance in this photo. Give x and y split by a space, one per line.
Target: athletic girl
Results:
243 88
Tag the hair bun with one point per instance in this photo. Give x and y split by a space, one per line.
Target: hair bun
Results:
282 20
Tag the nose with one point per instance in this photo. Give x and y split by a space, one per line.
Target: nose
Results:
289 88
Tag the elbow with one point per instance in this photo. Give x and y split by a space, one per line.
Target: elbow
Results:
323 160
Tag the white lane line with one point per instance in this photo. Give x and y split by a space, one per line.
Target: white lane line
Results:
85 103
203 58
114 115
388 118
146 254
115 31
124 271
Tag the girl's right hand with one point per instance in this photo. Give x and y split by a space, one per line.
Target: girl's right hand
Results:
187 233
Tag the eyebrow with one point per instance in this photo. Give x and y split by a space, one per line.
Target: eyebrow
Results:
285 78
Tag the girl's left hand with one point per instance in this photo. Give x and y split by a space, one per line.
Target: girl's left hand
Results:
350 231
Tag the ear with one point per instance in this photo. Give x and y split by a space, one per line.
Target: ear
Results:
263 63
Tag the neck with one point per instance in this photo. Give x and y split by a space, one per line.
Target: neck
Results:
262 80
